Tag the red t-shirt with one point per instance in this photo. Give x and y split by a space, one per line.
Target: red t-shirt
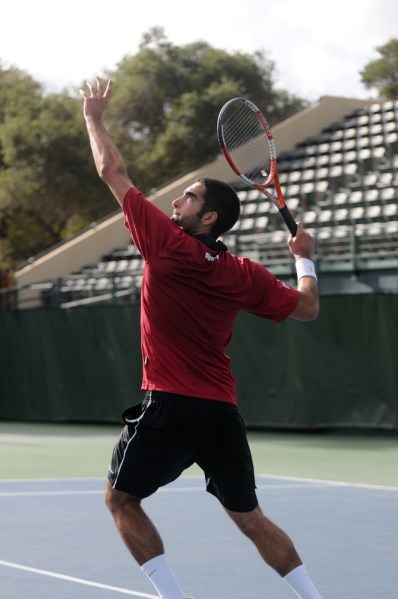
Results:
191 295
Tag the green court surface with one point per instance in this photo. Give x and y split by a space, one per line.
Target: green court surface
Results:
30 450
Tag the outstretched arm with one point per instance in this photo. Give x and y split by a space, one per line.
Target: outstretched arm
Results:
302 248
108 160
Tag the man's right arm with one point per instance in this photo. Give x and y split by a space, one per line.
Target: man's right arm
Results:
302 248
108 160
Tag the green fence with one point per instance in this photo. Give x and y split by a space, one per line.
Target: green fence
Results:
340 371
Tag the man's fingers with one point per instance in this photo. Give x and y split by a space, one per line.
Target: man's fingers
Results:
99 90
91 89
96 92
108 89
99 85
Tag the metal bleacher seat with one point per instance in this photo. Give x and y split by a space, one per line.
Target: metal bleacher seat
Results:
125 282
341 198
308 175
136 265
294 177
308 192
349 144
325 218
356 197
388 194
373 213
336 146
294 203
357 214
390 210
292 190
264 206
363 142
389 127
322 160
102 284
348 133
122 265
363 119
261 223
111 266
385 179
253 195
342 216
371 195
375 129
392 141
246 224
250 208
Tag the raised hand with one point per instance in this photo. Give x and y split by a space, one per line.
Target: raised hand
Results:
96 100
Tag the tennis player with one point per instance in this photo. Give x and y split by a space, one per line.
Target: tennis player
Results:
192 291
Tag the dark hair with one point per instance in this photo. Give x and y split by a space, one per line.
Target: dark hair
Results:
220 198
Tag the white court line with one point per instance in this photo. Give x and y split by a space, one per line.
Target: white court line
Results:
331 483
89 583
49 493
297 479
171 490
90 492
296 483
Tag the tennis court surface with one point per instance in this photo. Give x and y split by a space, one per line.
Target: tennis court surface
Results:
58 540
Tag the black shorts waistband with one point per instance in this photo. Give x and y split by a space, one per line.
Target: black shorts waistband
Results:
154 394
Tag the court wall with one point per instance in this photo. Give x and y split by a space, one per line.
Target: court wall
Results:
84 365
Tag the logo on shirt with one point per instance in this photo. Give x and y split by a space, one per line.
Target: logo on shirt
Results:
211 258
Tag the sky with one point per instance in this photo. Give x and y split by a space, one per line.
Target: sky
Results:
319 48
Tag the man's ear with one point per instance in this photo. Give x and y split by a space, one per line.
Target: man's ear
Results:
209 218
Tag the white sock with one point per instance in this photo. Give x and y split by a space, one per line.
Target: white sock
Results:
162 578
300 581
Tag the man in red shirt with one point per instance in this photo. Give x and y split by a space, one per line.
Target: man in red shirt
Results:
192 291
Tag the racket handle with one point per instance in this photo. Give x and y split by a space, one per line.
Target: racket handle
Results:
289 220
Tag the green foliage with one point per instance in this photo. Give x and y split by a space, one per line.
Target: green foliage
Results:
47 177
167 98
382 73
162 116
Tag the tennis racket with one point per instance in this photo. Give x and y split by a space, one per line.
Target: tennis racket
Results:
246 141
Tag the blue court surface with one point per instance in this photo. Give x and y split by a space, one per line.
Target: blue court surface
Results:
59 541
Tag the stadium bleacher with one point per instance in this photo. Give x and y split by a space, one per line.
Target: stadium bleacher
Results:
343 184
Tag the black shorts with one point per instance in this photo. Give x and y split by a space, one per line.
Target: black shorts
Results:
167 433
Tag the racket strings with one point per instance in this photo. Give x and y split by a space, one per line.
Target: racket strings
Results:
247 143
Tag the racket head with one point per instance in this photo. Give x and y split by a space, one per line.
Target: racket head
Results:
246 140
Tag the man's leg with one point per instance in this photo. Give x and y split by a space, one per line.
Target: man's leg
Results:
276 549
274 546
143 541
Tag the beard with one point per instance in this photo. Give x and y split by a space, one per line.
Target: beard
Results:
190 223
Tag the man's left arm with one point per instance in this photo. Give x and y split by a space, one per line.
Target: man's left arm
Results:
108 160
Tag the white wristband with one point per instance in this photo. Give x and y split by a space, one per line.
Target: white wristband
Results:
305 268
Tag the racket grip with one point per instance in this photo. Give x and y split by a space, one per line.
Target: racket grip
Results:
289 220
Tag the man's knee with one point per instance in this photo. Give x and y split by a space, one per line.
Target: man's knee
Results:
116 500
248 522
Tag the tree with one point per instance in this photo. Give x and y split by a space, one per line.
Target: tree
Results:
382 73
162 116
165 104
46 169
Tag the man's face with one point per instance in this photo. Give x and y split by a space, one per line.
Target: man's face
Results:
187 207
